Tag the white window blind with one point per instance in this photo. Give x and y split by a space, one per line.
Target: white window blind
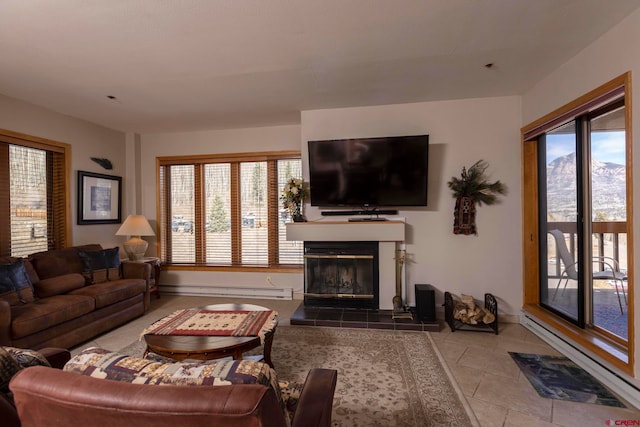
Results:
28 200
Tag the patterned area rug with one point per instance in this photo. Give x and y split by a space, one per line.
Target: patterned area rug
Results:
385 378
556 377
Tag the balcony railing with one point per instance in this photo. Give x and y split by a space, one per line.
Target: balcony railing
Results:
600 231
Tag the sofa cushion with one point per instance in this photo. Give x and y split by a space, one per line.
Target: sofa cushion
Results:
50 266
47 312
15 285
59 285
100 265
108 293
67 258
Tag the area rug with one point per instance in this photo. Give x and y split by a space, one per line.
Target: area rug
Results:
385 378
559 378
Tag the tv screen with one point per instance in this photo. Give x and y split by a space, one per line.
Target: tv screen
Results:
369 172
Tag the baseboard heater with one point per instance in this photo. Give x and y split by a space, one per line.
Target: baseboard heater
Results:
614 381
228 291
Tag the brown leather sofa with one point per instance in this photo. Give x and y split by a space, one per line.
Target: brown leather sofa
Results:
50 397
65 311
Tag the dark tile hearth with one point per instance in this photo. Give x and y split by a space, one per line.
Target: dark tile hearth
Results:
358 318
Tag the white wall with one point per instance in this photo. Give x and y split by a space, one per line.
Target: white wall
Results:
212 142
460 133
86 140
615 53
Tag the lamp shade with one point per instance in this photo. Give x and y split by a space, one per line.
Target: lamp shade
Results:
135 226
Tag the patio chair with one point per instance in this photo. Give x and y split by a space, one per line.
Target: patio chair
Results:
611 270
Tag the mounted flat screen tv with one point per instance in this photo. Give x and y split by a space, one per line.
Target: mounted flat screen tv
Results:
369 172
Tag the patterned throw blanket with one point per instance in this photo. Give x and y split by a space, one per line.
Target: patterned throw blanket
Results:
198 321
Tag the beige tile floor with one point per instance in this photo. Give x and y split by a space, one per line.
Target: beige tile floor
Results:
495 388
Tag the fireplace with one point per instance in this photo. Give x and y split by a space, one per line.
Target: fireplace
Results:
341 274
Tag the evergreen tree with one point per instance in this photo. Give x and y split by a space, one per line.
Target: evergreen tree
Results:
218 221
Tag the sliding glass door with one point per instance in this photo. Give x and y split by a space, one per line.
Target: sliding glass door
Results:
582 212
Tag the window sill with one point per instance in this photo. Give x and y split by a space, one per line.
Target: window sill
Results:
608 350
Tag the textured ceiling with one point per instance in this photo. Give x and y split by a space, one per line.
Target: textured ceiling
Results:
178 65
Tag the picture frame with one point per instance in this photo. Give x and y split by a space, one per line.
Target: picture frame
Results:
99 198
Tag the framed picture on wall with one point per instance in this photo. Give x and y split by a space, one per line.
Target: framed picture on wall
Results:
99 198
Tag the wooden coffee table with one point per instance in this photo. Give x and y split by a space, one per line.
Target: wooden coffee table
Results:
180 347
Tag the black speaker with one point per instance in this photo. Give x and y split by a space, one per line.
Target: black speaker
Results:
426 303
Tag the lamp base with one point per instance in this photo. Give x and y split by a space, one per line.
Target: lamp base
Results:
135 248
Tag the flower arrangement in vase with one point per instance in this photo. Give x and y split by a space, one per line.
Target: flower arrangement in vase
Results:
294 193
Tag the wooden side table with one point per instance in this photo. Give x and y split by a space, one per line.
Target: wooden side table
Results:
155 273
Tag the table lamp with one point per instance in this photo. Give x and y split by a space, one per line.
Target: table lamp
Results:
135 226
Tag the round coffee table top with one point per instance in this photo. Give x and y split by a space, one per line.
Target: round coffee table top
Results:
206 347
235 307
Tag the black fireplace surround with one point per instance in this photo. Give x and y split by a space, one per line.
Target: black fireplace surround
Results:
341 274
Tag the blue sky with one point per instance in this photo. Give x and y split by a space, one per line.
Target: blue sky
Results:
606 146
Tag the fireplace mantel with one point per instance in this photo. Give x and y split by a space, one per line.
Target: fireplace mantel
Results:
344 231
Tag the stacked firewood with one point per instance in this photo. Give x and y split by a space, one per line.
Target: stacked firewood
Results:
467 311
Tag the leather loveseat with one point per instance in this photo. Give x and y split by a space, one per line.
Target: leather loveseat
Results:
59 303
82 396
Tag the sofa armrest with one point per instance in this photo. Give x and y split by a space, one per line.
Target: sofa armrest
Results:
5 323
139 270
136 270
57 357
316 400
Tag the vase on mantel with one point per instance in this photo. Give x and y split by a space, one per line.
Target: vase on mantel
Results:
296 212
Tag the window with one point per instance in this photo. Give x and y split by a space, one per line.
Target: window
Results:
34 202
577 225
224 211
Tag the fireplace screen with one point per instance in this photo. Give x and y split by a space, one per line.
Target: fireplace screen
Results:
343 274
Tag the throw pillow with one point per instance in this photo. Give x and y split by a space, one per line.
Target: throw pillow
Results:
26 357
112 259
100 266
8 368
48 265
15 286
291 392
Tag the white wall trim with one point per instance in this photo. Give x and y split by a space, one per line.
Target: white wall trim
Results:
228 291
